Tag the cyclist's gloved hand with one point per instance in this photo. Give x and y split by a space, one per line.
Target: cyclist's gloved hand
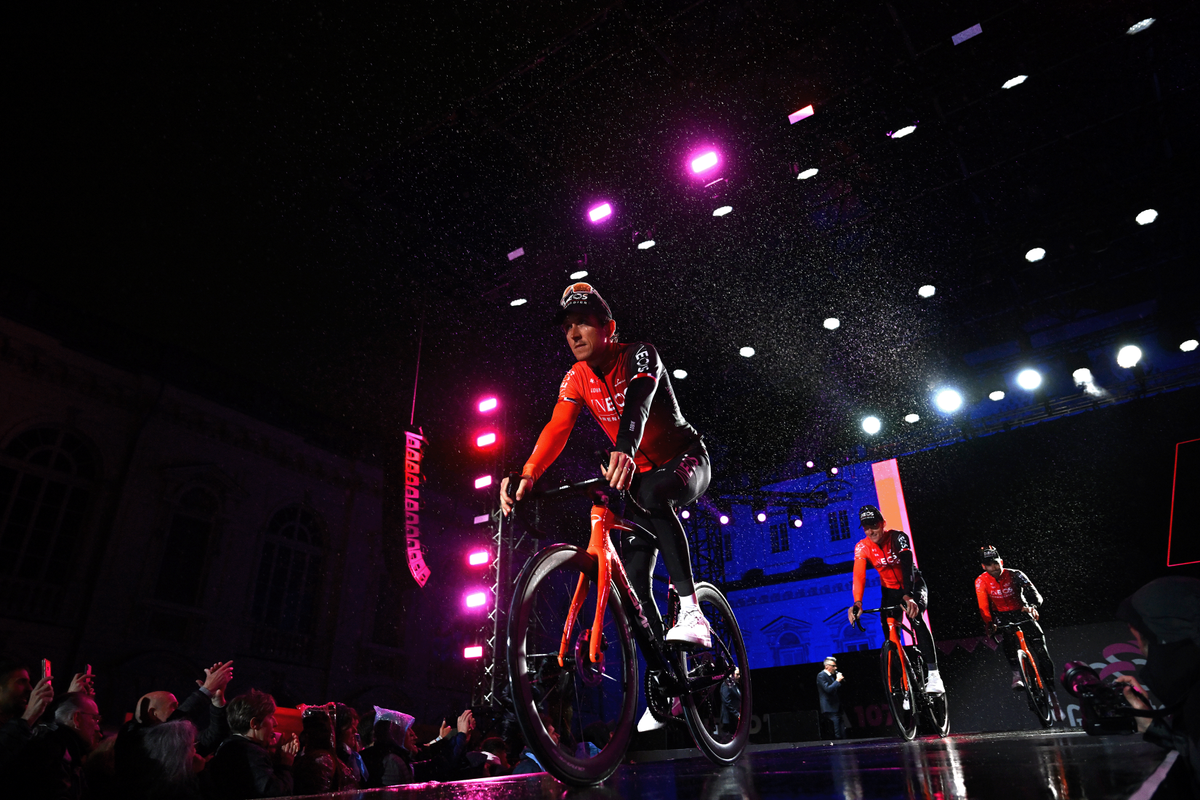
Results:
506 502
620 470
1032 611
911 608
854 612
989 628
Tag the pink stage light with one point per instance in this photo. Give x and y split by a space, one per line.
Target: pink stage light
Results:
803 113
724 519
483 440
797 523
600 212
685 514
476 599
705 161
478 558
809 464
833 471
486 480
761 517
473 652
488 404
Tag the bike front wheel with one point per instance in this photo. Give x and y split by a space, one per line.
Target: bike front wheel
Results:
1039 698
901 700
718 710
563 708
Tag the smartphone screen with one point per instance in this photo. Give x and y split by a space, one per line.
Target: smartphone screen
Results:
45 668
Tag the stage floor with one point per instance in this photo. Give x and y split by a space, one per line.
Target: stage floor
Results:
1012 766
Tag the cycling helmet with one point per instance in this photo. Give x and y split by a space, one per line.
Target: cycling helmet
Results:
582 297
988 553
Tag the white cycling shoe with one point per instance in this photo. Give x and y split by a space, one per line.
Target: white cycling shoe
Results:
648 723
1018 680
933 685
692 628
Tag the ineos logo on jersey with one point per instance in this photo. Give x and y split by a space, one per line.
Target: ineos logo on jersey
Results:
642 357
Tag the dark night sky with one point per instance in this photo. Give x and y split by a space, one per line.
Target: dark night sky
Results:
288 190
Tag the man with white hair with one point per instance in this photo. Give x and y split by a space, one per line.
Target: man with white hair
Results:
829 689
52 764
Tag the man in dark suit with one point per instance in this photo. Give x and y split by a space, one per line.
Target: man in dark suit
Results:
829 687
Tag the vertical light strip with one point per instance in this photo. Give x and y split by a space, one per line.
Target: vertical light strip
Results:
891 504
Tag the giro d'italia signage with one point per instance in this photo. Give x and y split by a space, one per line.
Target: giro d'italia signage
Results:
413 444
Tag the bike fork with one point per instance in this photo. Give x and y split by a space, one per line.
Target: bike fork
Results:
600 547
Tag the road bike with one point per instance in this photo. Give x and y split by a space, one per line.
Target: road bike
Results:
904 673
1037 690
574 684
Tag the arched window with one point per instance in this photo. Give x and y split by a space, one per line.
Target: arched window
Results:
290 572
854 639
791 649
47 481
185 554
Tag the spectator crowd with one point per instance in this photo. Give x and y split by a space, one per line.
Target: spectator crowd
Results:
207 747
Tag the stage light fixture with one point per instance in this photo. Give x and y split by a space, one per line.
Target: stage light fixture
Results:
475 651
871 425
488 404
520 301
1128 356
476 599
679 373
927 290
811 172
646 245
797 523
833 470
483 481
761 516
485 439
602 211
996 396
479 558
515 254
746 352
948 400
832 323
579 275
803 113
724 519
1029 379
704 162
810 464
481 519
722 211
1146 217
1082 376
911 418
685 514
1036 254
1017 81
905 131
1138 27
1188 345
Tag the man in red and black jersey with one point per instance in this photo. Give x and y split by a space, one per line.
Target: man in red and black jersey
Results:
1007 595
901 584
656 455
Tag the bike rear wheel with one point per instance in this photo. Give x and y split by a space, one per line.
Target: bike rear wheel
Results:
902 701
1039 698
579 694
722 743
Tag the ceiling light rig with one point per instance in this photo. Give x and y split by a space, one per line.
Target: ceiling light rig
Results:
746 352
871 425
680 374
1146 217
1029 379
1013 82
927 290
578 274
1129 356
1138 27
804 175
1035 254
912 418
902 132
832 323
520 301
948 401
722 211
600 212
996 396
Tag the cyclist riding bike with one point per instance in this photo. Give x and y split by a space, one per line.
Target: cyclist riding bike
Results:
1007 595
890 553
656 455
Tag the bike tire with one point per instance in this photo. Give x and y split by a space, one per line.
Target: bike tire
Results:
902 702
576 694
1039 698
702 709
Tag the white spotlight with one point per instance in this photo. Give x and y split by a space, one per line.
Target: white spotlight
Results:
948 400
1188 346
646 245
905 131
1129 355
746 351
1138 27
1017 81
927 290
911 418
1082 376
1036 254
996 396
580 274
680 373
806 174
832 324
722 211
520 301
1146 217
872 425
1029 379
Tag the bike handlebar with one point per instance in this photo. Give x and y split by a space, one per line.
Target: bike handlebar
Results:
858 623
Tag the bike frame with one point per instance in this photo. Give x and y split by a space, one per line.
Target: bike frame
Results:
1037 673
894 628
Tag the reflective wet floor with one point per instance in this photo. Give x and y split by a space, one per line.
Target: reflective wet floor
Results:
1013 766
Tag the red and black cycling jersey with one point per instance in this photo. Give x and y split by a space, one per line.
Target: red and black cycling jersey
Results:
892 559
631 399
1012 591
